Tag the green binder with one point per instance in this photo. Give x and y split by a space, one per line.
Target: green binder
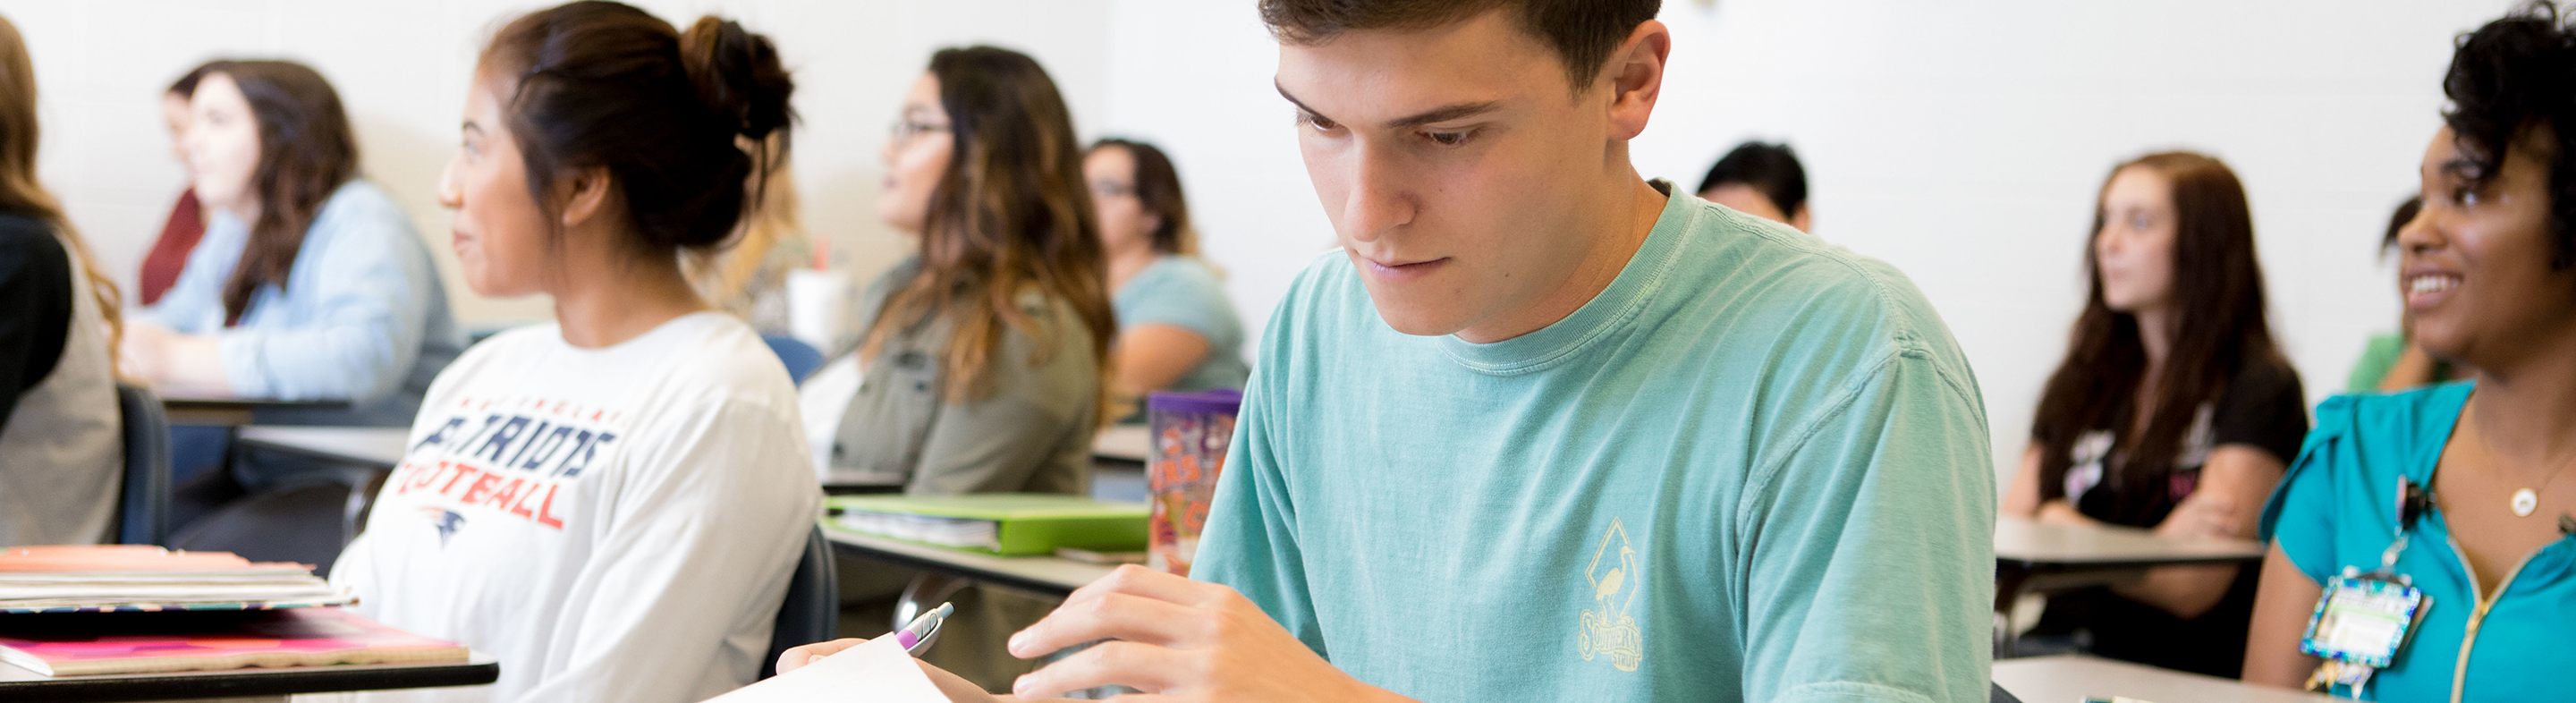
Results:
1024 523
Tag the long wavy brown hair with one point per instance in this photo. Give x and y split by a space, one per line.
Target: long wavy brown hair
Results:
21 194
306 151
2218 290
1010 214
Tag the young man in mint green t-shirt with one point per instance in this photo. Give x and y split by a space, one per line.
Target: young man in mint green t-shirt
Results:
1543 430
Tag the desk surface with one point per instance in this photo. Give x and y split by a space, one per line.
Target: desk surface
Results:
1123 442
1048 575
2029 543
2069 679
211 406
20 684
383 446
379 447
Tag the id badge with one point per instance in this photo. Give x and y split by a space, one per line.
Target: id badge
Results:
2363 618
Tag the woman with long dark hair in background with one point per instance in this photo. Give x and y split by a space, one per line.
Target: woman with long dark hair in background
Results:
2173 410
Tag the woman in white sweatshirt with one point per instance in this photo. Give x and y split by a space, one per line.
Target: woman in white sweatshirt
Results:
613 504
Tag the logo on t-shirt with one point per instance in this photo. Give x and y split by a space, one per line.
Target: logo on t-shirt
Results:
507 458
445 520
1610 630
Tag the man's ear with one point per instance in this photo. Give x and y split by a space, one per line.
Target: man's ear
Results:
584 195
1635 73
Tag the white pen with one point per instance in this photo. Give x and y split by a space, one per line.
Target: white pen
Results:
917 636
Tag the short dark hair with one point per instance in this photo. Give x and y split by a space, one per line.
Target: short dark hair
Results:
608 85
186 86
2397 221
2508 78
1770 168
1583 32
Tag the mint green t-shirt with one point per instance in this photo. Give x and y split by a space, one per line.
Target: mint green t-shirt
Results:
1183 292
1754 468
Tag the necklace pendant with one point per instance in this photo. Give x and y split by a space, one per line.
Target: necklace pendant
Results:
2525 501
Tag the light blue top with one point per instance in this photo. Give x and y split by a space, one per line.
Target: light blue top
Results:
363 317
2337 507
1183 292
1754 468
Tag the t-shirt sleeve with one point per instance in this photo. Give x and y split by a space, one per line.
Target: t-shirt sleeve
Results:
1870 572
1249 542
35 320
1180 294
2263 406
692 550
2377 357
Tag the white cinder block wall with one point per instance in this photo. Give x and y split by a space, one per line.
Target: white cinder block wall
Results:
1961 142
403 68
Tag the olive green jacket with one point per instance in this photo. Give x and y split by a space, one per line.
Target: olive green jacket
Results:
1031 432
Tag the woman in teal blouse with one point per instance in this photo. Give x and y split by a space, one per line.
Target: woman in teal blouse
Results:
1176 329
2490 280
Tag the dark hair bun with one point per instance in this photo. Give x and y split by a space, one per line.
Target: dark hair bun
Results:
607 85
738 75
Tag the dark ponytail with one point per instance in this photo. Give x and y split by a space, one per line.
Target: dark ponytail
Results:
680 121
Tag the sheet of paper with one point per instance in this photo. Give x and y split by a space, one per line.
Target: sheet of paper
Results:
878 671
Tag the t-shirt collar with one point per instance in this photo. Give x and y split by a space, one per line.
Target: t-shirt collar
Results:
1617 305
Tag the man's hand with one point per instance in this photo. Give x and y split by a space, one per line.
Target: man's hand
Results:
957 689
1181 640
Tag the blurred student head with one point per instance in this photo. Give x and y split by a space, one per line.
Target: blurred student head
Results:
983 166
2489 266
174 110
1137 195
1760 179
1463 150
267 142
599 135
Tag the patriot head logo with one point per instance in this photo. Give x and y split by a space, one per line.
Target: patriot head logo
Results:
446 520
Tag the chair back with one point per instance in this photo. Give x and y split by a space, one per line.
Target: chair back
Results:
812 611
143 508
801 358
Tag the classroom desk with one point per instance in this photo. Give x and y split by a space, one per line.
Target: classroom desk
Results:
242 685
384 446
372 447
2070 679
2035 557
1051 576
2032 555
1123 443
205 406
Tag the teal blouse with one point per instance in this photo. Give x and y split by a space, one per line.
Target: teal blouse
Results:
2337 508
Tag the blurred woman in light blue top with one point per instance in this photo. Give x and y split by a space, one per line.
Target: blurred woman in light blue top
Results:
310 283
1176 329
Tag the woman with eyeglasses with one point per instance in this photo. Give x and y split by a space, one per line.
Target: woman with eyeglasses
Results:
1176 330
978 362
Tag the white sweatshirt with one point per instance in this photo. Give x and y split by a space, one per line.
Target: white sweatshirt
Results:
613 524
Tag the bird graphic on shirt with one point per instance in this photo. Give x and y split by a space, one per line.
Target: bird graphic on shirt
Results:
445 520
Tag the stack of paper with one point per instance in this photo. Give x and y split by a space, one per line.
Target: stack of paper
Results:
1008 524
147 578
926 529
86 644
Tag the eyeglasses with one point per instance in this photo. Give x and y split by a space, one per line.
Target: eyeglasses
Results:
905 129
1111 189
